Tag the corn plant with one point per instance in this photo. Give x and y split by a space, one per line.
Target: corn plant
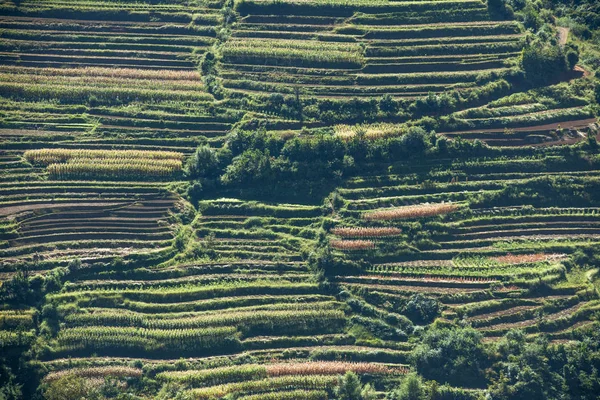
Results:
414 211
352 245
366 232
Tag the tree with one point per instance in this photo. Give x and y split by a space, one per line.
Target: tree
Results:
455 356
203 164
421 308
542 62
208 62
368 392
410 389
592 143
173 391
495 4
441 145
499 8
349 387
252 166
388 105
572 58
275 101
536 371
298 104
531 18
526 373
9 387
17 289
414 141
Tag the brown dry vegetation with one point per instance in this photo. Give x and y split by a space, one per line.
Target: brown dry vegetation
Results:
329 368
366 232
526 258
129 73
415 211
349 245
115 371
49 156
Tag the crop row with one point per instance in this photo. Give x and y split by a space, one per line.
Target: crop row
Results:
93 372
97 39
101 95
201 305
344 7
106 81
496 48
285 320
192 293
473 271
117 169
50 156
415 211
118 339
352 245
363 232
249 372
98 72
370 131
279 384
98 164
107 10
289 52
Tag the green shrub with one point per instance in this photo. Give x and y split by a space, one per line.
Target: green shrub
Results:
452 355
542 62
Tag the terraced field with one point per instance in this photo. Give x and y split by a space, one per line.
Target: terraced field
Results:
254 299
108 75
540 117
338 50
248 199
496 268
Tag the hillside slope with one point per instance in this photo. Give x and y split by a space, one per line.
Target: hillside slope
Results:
286 199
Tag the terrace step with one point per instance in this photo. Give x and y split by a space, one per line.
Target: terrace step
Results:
66 237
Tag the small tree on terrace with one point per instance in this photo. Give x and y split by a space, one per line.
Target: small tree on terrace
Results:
349 387
388 105
542 62
410 389
455 356
499 8
422 309
252 166
414 141
203 164
572 58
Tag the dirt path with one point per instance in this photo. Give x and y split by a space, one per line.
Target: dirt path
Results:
581 70
546 127
563 35
533 129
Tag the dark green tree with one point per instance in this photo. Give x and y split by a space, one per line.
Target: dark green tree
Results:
542 62
349 387
388 105
499 9
572 58
411 388
421 308
203 164
455 356
525 374
252 166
